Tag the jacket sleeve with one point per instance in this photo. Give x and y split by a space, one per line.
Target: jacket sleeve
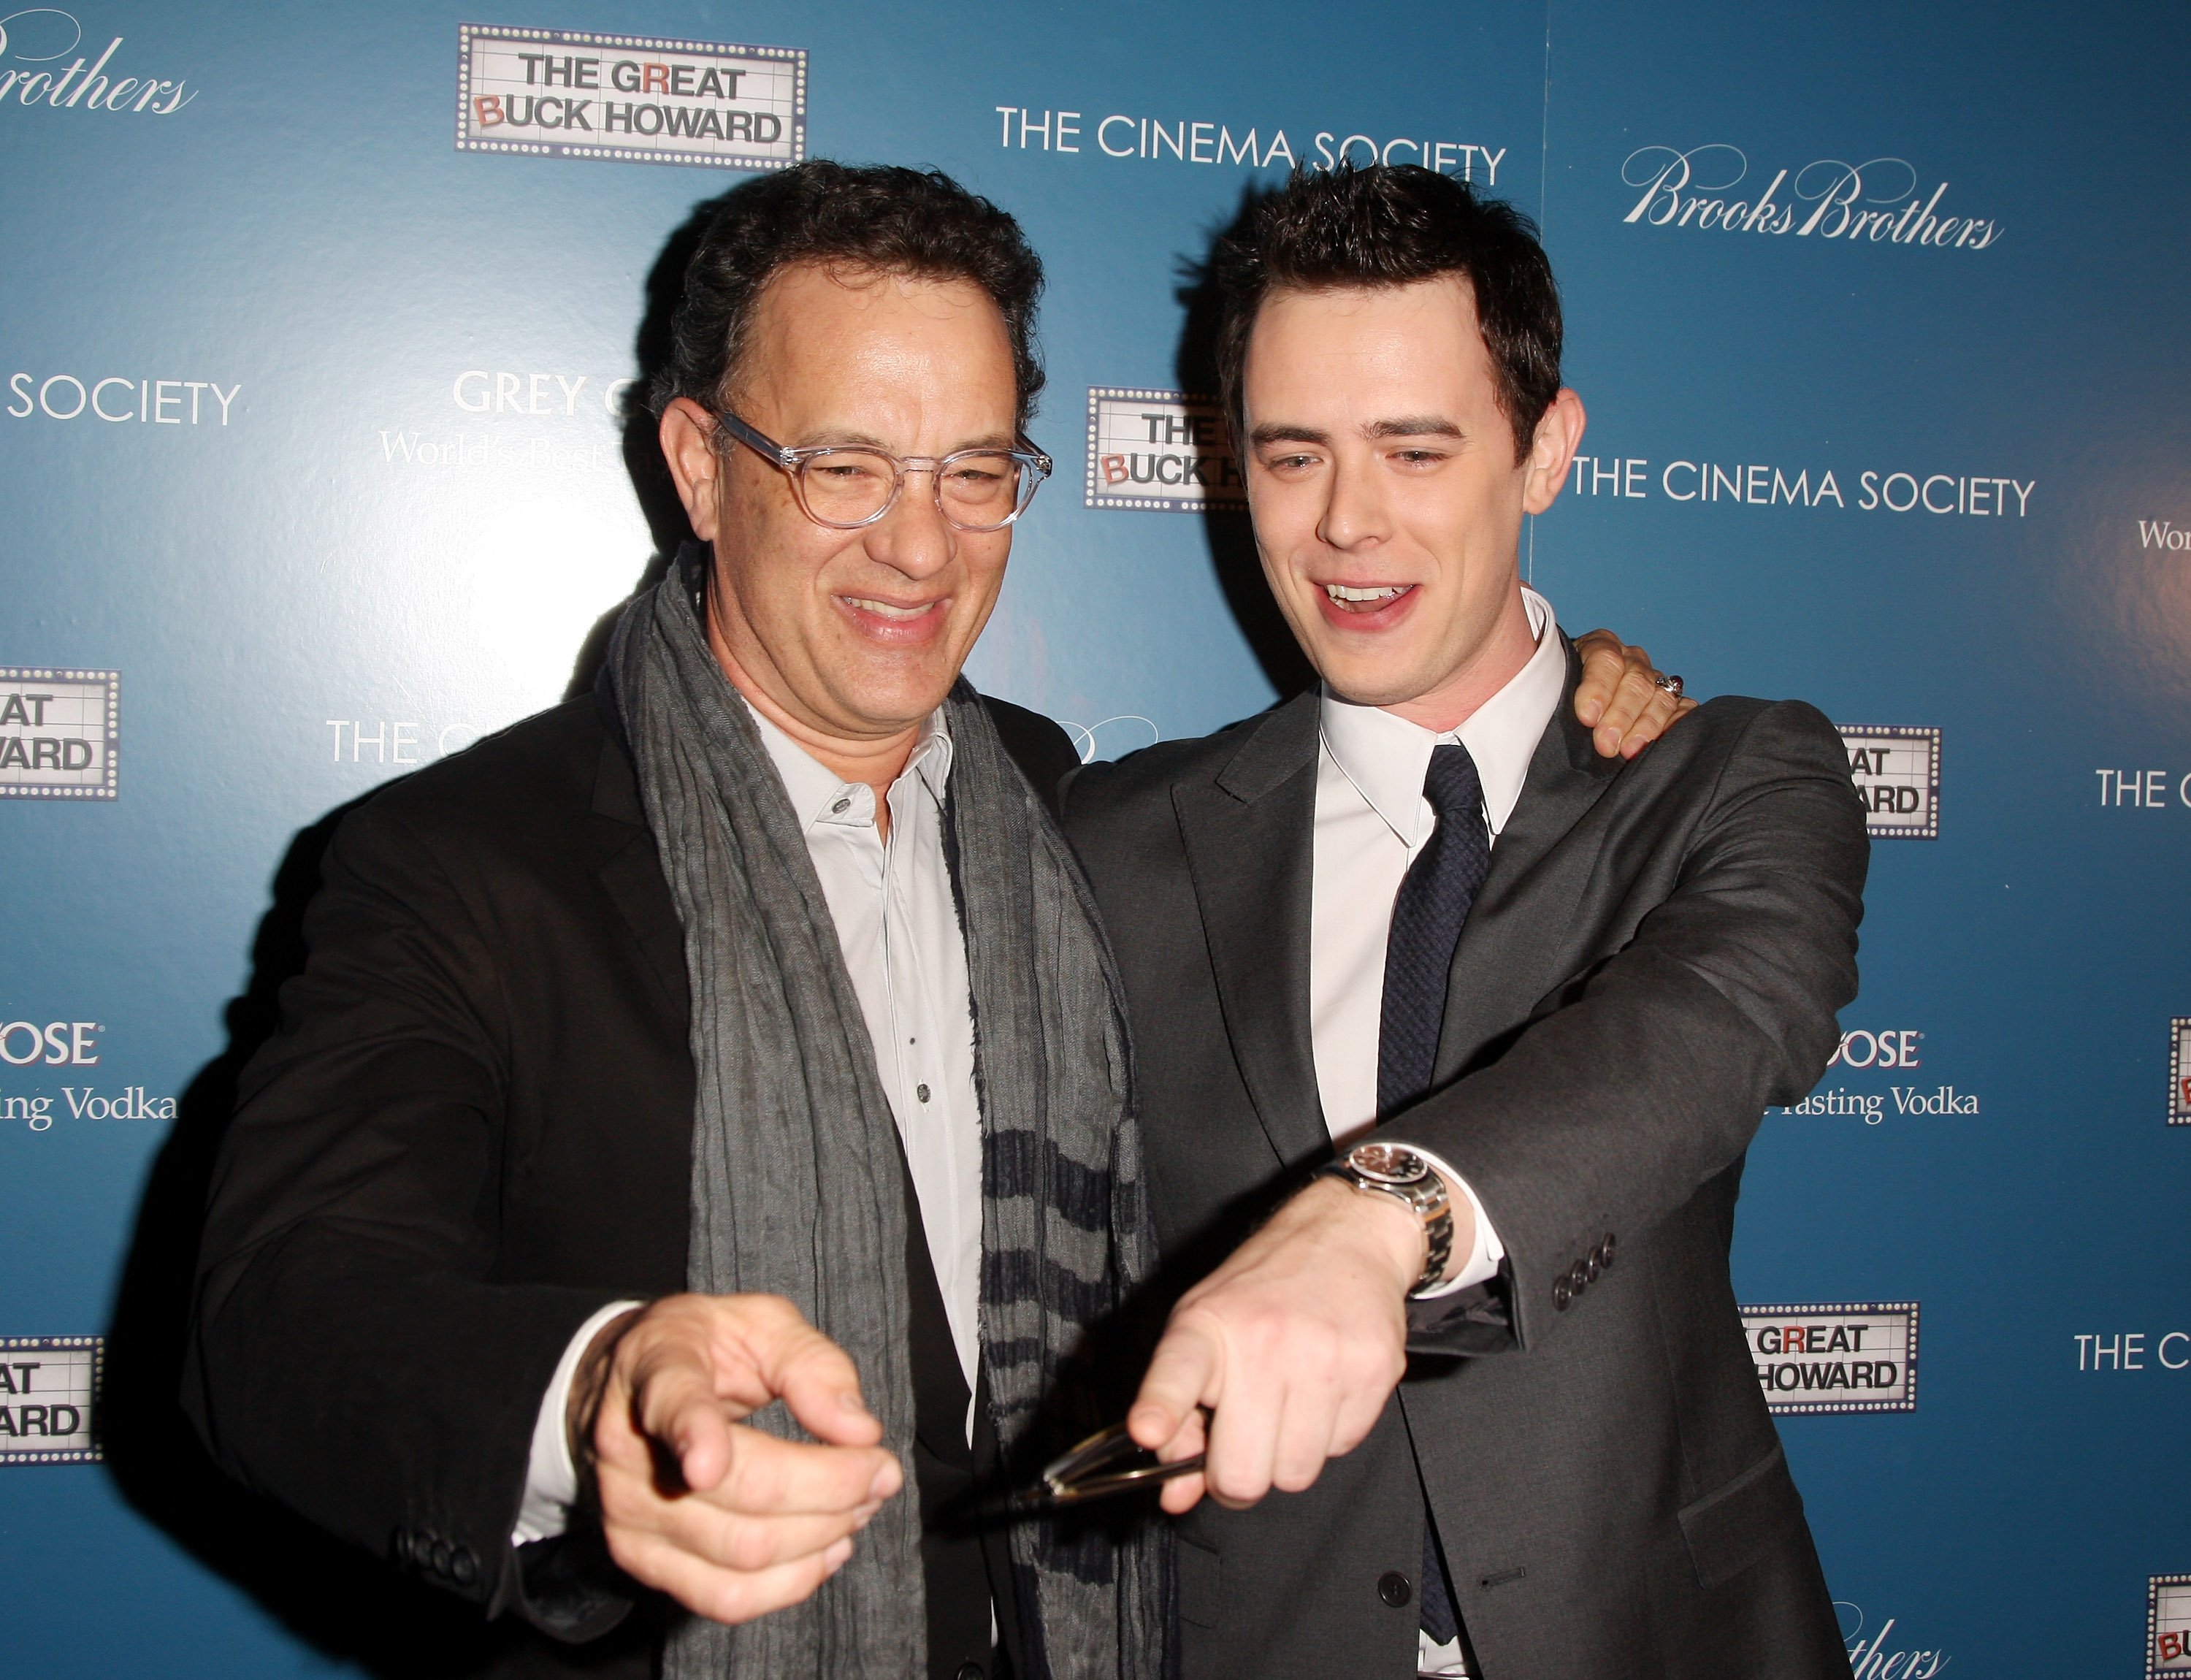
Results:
352 1355
1645 1077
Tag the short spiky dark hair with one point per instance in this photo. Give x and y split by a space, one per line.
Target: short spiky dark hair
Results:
1393 225
879 220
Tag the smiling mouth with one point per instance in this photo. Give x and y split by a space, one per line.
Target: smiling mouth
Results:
890 609
1361 598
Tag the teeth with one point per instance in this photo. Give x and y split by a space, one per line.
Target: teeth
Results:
1342 592
884 609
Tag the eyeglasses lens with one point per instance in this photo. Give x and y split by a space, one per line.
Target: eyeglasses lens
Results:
981 489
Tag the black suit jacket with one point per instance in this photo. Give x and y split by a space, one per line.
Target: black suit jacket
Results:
473 1131
1657 956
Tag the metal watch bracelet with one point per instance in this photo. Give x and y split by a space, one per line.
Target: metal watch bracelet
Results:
1394 1170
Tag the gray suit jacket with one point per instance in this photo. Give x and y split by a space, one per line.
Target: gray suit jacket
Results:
1658 954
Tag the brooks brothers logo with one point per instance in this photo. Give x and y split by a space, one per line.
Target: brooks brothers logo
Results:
2179 1071
1872 1657
1884 201
49 1398
45 63
121 399
1185 140
2167 1626
1859 1357
557 94
57 733
495 399
1760 484
1897 772
1159 450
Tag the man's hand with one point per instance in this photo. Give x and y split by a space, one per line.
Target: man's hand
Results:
728 1521
1617 700
1292 1346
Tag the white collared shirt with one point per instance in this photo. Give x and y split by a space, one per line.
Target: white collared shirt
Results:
1371 821
898 927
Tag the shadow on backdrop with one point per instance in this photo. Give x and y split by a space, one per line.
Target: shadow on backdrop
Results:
642 446
346 1605
1226 531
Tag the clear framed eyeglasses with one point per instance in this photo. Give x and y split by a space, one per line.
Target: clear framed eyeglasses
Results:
847 485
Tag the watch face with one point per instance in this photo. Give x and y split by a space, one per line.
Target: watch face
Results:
1388 1164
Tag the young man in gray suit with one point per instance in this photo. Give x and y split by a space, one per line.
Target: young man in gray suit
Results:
1476 1398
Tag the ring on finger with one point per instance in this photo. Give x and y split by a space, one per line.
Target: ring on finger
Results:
1671 684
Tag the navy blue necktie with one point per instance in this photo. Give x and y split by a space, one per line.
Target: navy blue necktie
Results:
1433 903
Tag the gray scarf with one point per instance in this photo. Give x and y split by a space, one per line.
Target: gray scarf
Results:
797 1183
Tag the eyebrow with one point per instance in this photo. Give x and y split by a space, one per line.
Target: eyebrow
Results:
1407 425
1413 425
861 440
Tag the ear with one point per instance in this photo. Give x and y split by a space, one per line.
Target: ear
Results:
1559 434
688 444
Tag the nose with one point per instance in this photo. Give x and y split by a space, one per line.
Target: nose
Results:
913 537
1355 515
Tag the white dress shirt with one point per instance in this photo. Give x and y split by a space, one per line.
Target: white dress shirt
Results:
1371 821
898 927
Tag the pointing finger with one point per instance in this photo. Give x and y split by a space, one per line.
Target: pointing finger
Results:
820 1386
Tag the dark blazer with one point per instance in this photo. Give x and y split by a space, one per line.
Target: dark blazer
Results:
1657 956
473 1130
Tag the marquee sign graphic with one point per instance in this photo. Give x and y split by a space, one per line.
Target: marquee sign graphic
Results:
58 731
2179 1071
49 1398
1853 1357
1897 772
1159 451
2167 1626
558 93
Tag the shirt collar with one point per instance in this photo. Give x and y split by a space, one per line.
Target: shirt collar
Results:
1387 757
818 795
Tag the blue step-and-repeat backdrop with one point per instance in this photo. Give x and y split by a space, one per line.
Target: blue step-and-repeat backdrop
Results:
317 331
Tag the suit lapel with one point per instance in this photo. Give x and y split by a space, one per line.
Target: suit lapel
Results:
1250 848
1511 947
631 873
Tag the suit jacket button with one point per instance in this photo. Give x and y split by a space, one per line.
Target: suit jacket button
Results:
465 1566
1605 1250
1563 1292
1394 1588
440 1557
1577 1278
968 1671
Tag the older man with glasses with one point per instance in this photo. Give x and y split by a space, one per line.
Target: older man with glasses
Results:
740 1033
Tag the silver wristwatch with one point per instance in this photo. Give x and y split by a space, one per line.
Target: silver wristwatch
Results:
1394 1170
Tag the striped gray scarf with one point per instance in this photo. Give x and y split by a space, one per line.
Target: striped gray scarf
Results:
797 1186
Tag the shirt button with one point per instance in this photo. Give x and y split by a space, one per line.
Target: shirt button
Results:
921 1091
1393 1588
841 807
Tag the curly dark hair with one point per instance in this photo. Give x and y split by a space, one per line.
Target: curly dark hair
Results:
881 219
1392 225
